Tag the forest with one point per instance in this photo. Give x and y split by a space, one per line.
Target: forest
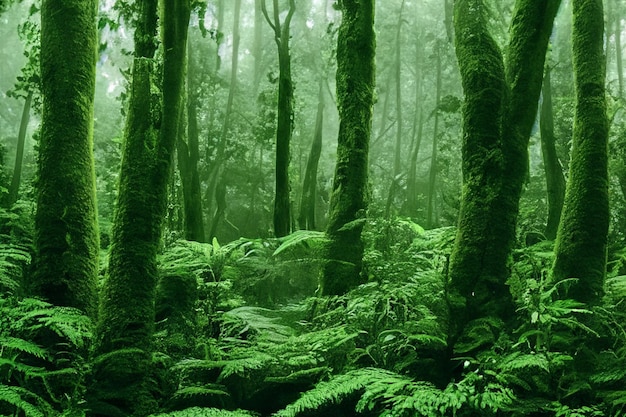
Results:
283 208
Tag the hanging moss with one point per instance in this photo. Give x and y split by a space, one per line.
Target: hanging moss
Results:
355 86
66 238
582 236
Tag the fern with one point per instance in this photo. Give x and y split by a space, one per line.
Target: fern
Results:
25 401
204 412
300 237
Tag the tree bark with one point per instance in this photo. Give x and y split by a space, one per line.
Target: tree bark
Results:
122 372
555 180
498 115
66 233
581 242
355 95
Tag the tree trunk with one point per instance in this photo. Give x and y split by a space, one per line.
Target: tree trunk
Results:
308 201
555 180
497 122
66 233
19 153
355 95
617 18
581 242
188 153
284 128
217 171
126 323
432 176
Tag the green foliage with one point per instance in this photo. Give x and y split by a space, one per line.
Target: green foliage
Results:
204 412
23 361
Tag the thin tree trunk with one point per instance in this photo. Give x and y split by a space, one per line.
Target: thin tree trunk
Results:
555 180
432 176
618 47
217 171
306 219
19 153
282 212
188 153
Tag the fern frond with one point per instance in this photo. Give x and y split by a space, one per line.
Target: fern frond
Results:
517 361
19 398
24 346
334 391
297 238
204 412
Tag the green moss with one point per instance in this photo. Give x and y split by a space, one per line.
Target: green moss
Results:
355 87
582 236
66 240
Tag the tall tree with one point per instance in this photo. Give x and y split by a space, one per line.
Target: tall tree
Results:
582 235
217 171
355 98
126 320
431 215
498 115
555 180
284 128
16 180
308 200
66 233
188 153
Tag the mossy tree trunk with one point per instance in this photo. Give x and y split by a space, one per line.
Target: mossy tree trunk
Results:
582 235
66 233
498 115
555 180
122 370
284 128
355 93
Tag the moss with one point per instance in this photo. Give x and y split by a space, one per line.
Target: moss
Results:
582 236
355 86
66 239
499 110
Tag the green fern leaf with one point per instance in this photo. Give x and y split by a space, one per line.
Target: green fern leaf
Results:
204 412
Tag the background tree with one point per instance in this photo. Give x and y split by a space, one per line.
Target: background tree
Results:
66 239
284 128
582 235
555 180
355 95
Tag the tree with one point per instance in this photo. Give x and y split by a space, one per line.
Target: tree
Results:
498 115
19 155
555 180
355 95
308 200
284 128
66 236
126 320
581 242
188 153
